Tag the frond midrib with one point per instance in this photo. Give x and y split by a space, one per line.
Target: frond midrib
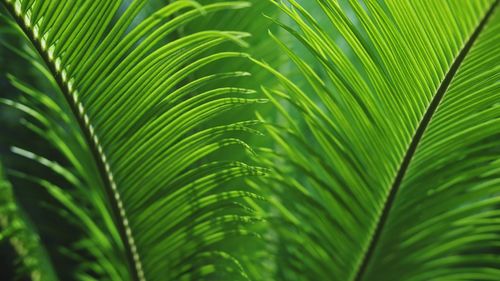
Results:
417 137
133 260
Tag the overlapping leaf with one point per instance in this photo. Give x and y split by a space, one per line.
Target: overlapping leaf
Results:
144 113
15 227
344 139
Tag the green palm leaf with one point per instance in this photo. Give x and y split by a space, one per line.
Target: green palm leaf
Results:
50 118
147 132
391 149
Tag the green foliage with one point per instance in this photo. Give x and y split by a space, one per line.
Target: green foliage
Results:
16 227
155 201
373 208
378 157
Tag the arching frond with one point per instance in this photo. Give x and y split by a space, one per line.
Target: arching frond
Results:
385 169
145 116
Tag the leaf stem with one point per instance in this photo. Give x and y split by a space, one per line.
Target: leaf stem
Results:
424 123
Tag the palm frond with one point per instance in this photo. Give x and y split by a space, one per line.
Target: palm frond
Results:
148 130
353 141
84 204
460 233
